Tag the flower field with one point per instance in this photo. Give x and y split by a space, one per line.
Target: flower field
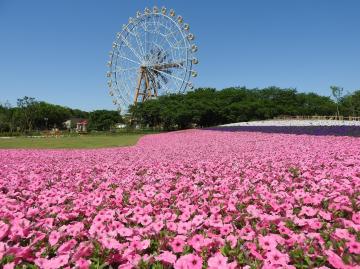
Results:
192 199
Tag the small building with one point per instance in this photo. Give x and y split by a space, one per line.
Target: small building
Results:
81 126
76 124
120 126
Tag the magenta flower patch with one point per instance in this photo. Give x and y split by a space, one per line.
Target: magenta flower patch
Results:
190 199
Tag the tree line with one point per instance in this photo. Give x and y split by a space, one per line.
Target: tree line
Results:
206 107
31 115
203 107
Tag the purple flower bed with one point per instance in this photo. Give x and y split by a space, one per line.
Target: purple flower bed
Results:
300 130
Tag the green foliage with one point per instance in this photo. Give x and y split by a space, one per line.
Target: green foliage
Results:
7 259
203 107
337 93
207 107
294 171
300 260
350 104
103 120
30 115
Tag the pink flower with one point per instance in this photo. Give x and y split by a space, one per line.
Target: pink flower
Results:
125 232
354 247
59 261
194 261
335 260
197 220
247 233
84 250
252 247
177 244
67 246
275 257
111 243
9 265
267 242
226 229
4 229
356 218
189 261
53 263
325 215
167 257
54 237
194 191
183 227
181 264
145 244
171 226
197 241
308 211
232 240
343 234
83 264
314 224
146 220
218 261
157 226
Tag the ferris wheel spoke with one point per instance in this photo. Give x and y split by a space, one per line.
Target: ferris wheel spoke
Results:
126 58
142 52
126 42
164 73
163 84
125 69
175 45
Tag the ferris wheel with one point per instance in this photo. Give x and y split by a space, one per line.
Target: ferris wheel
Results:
153 55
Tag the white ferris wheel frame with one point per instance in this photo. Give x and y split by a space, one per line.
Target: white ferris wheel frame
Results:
144 44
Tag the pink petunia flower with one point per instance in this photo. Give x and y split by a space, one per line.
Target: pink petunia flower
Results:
197 241
171 226
9 265
267 242
354 247
226 229
67 246
167 257
189 261
308 211
54 237
356 218
146 220
183 227
83 264
4 229
335 260
218 261
157 226
177 244
275 257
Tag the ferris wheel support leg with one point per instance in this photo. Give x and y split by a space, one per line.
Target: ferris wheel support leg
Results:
147 92
141 75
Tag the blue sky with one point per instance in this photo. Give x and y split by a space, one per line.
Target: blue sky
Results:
56 51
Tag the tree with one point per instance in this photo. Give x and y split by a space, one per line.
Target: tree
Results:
350 103
337 94
206 107
49 115
27 106
103 120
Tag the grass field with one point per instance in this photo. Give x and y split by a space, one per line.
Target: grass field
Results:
85 141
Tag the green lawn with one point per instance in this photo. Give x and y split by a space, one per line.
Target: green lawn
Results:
84 141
